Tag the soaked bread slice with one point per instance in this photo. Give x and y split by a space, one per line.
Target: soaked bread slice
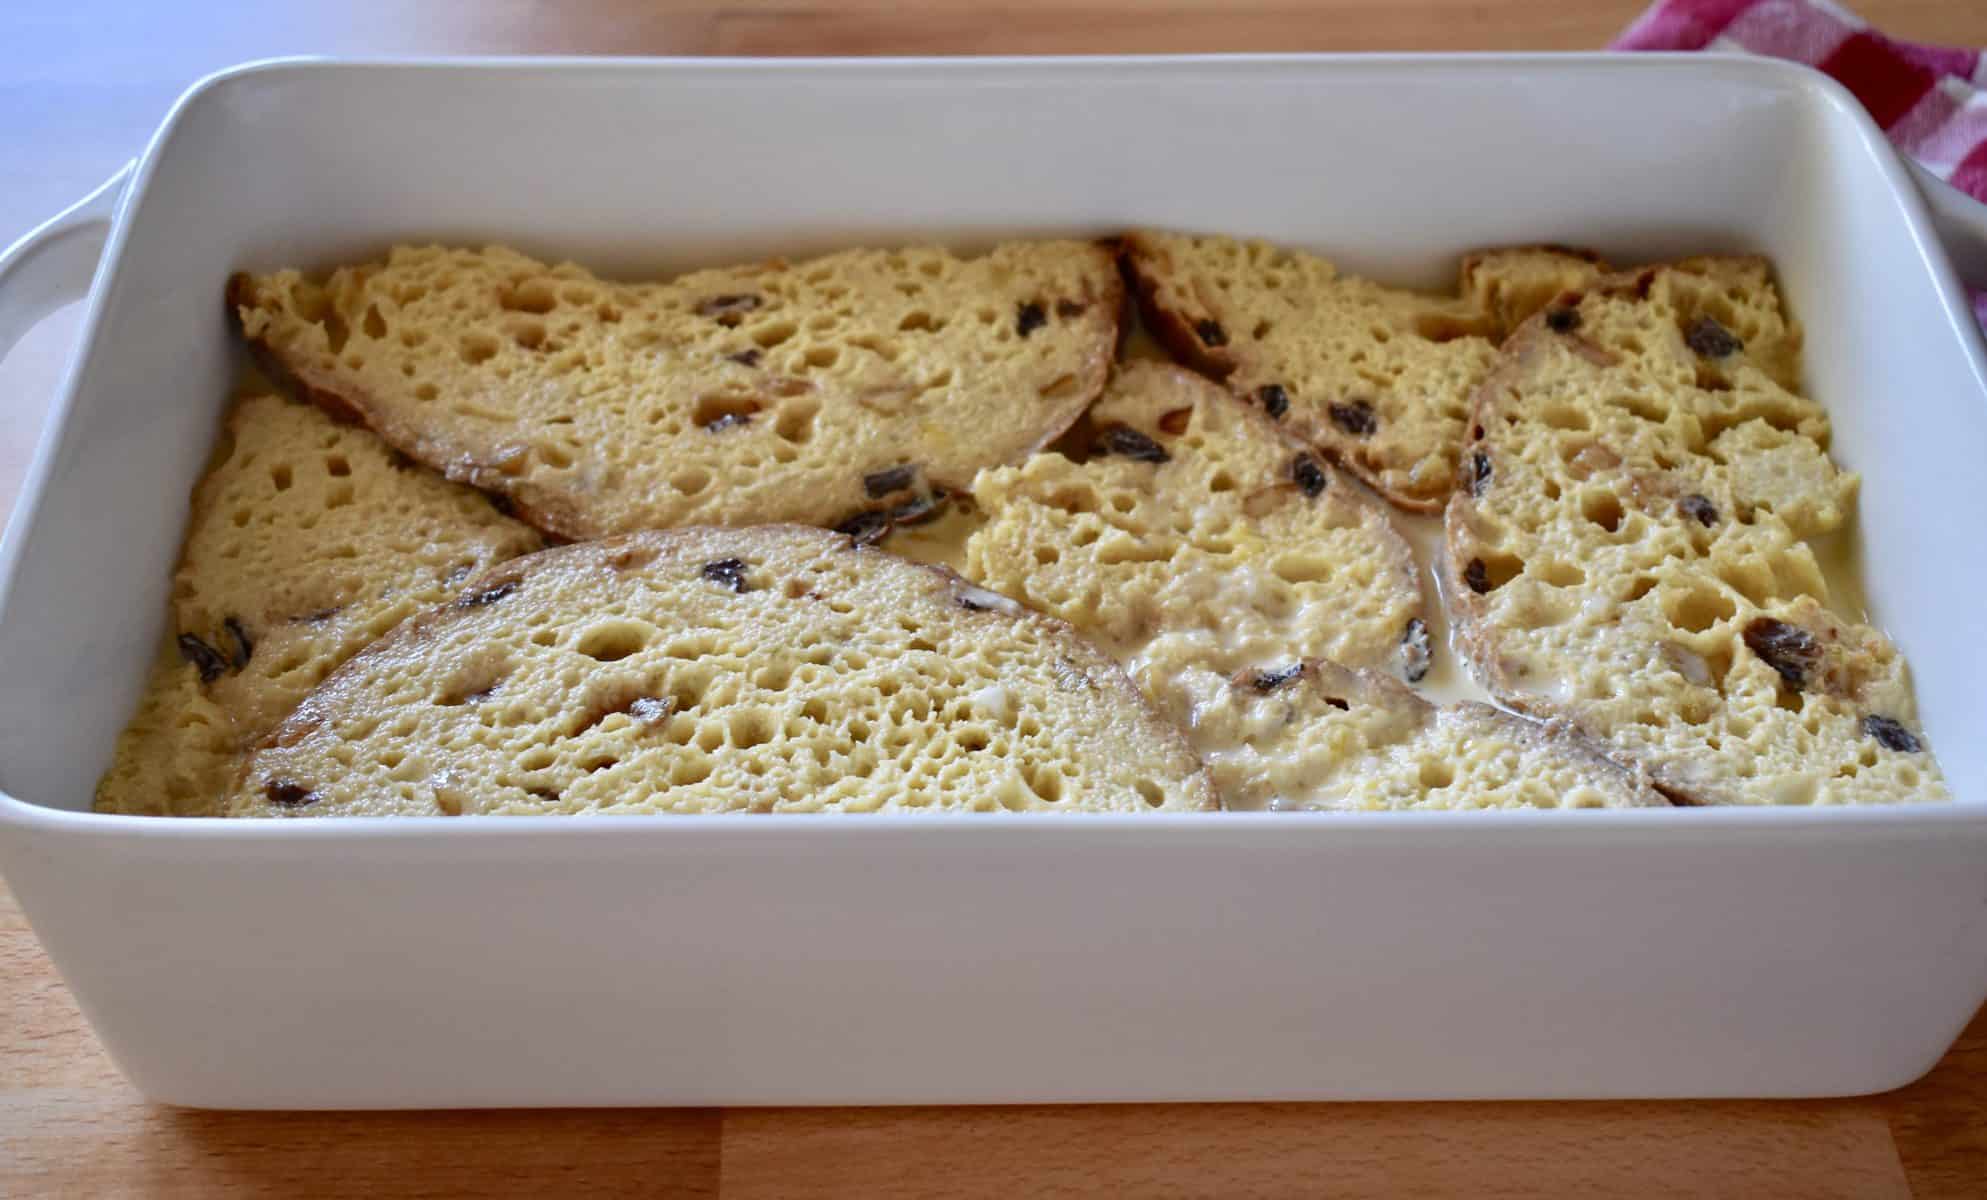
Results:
1196 540
176 756
1505 285
1221 561
1314 735
1377 377
308 539
772 669
821 392
1628 548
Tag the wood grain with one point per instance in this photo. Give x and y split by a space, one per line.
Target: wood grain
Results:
1940 1122
1172 26
1482 1150
70 1125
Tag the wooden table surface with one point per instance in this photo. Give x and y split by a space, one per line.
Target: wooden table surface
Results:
82 82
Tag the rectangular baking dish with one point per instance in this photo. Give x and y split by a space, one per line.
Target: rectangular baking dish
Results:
548 961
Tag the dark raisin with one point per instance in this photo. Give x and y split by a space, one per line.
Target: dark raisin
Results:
866 528
1028 318
487 596
1309 475
1417 651
1123 439
1477 576
1355 418
1788 649
745 358
1175 421
727 571
1562 320
1699 509
917 511
726 421
1210 332
1070 308
1274 399
205 658
1891 735
244 647
881 483
1712 340
1268 681
503 505
726 310
1337 703
288 793
1479 473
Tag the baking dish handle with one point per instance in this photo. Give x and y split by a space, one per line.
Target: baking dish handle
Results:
1960 222
54 263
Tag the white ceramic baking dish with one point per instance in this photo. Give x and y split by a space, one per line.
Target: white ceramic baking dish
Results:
551 961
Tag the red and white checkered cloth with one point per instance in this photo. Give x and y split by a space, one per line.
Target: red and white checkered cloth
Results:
1930 100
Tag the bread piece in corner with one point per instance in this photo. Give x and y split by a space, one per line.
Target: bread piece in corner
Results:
835 390
175 757
1376 377
1197 540
1627 548
1505 285
771 669
308 539
1314 735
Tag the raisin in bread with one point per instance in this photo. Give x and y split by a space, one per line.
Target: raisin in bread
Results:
822 391
176 756
941 539
1376 377
1507 284
307 540
776 668
1628 548
1314 735
1196 540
